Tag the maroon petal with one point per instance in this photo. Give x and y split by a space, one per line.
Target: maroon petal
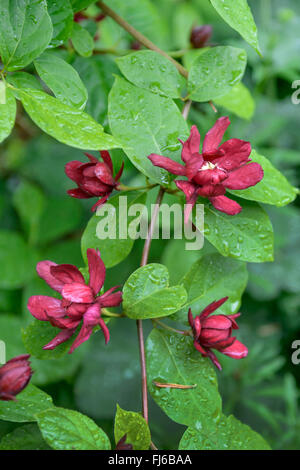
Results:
187 187
212 307
190 318
79 193
90 320
111 300
194 165
77 292
211 190
67 273
217 322
215 135
237 153
105 330
245 176
64 323
104 174
95 187
200 348
191 145
100 202
210 336
168 164
189 206
42 306
43 269
226 205
197 327
72 170
237 350
62 337
214 359
91 158
107 159
234 323
225 343
210 176
96 270
119 174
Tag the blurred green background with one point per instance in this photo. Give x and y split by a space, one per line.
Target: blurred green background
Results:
39 221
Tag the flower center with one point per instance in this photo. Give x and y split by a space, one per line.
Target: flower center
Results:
208 166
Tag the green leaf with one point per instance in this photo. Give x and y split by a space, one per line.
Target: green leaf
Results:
113 250
82 41
152 71
26 437
247 236
25 31
146 293
29 202
2 92
29 402
70 430
146 123
97 75
238 15
23 80
65 123
215 72
17 260
62 79
134 426
273 189
7 114
39 333
211 278
81 4
227 434
238 101
61 14
173 359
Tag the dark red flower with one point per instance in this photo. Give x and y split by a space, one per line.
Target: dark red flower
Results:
215 333
214 170
94 179
14 377
200 35
121 445
80 302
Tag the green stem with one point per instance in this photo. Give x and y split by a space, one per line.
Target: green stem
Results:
169 328
123 187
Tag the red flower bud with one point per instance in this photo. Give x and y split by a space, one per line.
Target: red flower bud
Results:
14 376
215 332
94 179
200 35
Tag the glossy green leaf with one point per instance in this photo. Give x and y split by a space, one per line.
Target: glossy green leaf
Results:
227 434
70 430
238 15
65 123
215 72
7 113
23 80
113 250
29 402
238 101
146 123
39 333
81 4
82 41
61 14
152 71
273 189
247 236
146 293
134 426
26 437
211 278
25 31
173 359
62 79
17 260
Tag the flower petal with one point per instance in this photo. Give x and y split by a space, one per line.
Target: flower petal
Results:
194 165
168 164
215 135
226 205
91 158
191 145
43 269
94 186
110 300
100 202
119 174
200 348
72 170
77 292
187 187
217 322
214 359
212 307
245 176
96 270
104 174
104 329
237 153
107 159
189 207
79 193
237 350
67 273
42 307
211 190
62 337
90 320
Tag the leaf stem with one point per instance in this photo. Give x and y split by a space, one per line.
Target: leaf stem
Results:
123 187
169 328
